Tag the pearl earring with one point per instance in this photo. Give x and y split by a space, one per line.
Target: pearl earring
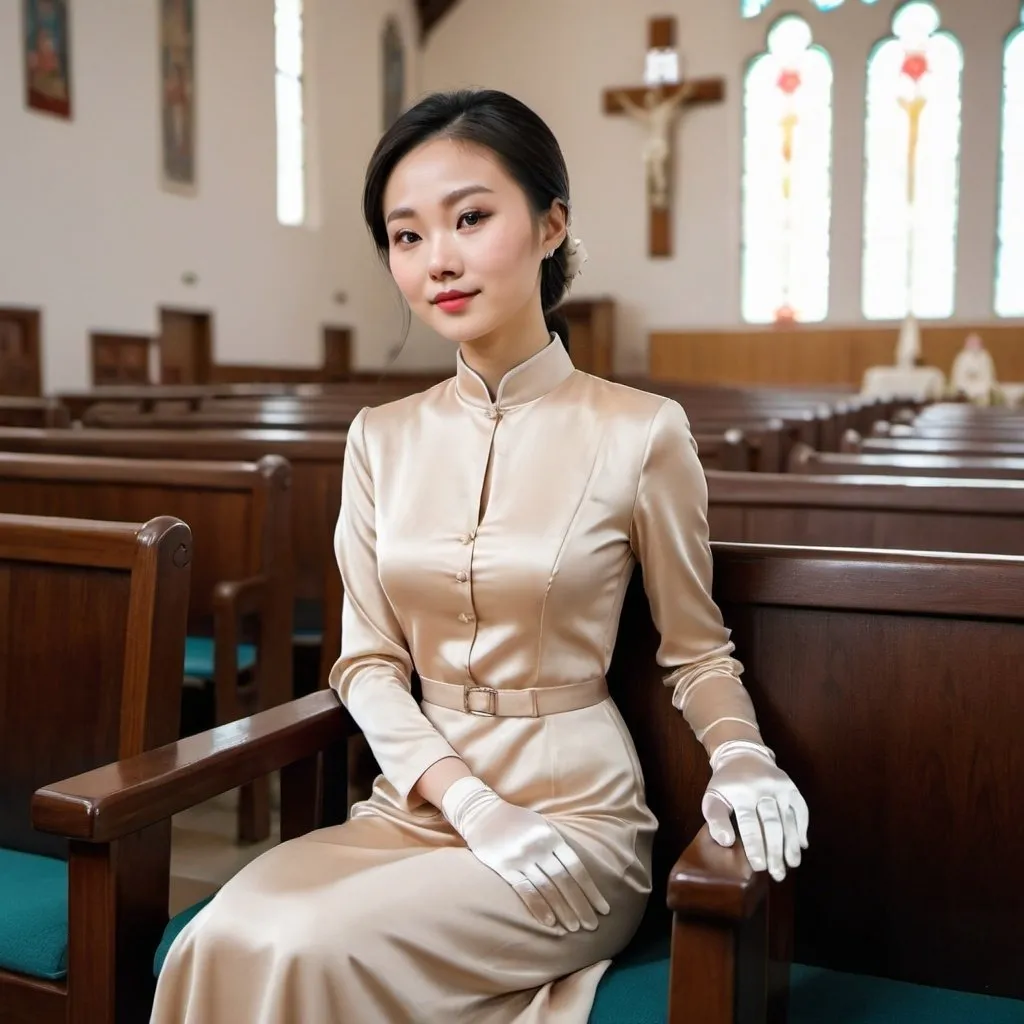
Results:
549 254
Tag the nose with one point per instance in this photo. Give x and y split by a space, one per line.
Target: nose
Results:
445 260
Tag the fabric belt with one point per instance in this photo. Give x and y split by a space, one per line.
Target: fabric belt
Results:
533 703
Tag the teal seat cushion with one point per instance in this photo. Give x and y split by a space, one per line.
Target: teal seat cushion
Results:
171 932
634 990
199 657
819 995
33 915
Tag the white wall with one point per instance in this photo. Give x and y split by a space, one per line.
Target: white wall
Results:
89 236
559 56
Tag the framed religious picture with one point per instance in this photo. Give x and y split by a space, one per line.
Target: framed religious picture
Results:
394 73
178 96
47 53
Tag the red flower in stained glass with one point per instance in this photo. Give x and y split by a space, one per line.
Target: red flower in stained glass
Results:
915 66
789 81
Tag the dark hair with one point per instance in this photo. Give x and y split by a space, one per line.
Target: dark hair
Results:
522 142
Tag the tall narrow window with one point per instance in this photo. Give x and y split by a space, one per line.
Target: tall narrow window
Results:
291 125
1010 258
911 194
787 178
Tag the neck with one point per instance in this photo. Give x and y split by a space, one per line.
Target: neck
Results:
493 354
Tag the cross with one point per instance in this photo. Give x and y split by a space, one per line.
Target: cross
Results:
656 105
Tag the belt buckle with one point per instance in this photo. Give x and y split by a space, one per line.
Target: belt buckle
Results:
492 700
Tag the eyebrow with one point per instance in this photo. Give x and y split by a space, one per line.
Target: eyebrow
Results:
449 200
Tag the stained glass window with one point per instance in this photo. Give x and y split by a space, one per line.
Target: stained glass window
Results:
911 193
752 8
787 178
291 121
1010 259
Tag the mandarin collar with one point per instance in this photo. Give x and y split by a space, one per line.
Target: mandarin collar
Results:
524 383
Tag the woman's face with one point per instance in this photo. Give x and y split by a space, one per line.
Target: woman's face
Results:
465 247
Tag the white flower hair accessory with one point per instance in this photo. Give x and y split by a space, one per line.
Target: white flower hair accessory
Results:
575 258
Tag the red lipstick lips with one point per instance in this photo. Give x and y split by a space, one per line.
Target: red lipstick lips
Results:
453 301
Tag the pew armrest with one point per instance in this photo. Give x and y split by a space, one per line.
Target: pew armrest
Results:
236 598
713 881
119 799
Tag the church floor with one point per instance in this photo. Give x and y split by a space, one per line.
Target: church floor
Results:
205 852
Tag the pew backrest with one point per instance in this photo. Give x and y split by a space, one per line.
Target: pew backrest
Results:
908 513
889 686
315 461
93 616
239 515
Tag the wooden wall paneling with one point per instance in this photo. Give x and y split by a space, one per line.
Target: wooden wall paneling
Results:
819 354
119 358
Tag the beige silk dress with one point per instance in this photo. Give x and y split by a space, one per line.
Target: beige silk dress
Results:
488 543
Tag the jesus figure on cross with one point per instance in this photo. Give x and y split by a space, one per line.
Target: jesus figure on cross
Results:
657 115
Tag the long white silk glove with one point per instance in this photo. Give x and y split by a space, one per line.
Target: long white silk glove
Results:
771 815
522 847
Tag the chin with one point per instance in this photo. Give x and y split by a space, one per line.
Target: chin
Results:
460 329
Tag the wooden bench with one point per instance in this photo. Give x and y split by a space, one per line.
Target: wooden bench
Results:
858 662
315 461
805 460
94 619
983 516
853 442
33 412
240 608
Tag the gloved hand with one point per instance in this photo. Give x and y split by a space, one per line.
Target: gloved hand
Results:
770 813
527 852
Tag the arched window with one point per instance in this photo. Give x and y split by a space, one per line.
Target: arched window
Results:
1010 258
393 58
787 178
911 193
291 118
752 8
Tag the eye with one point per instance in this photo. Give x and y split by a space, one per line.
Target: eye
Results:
405 237
472 218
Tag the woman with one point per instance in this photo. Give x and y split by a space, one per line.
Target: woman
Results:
488 529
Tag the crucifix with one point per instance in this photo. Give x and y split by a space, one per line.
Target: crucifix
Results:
656 105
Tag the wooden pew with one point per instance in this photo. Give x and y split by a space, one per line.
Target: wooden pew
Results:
94 633
858 662
240 518
853 443
916 514
315 461
33 412
805 460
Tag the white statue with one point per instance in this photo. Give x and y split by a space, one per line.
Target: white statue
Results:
657 115
974 372
908 347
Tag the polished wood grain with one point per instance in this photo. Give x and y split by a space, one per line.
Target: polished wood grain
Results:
804 459
240 515
315 461
93 633
818 354
871 511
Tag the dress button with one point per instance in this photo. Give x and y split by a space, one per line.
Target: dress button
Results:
461 577
463 617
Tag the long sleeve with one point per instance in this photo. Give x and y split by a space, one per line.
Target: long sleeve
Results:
373 674
669 536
